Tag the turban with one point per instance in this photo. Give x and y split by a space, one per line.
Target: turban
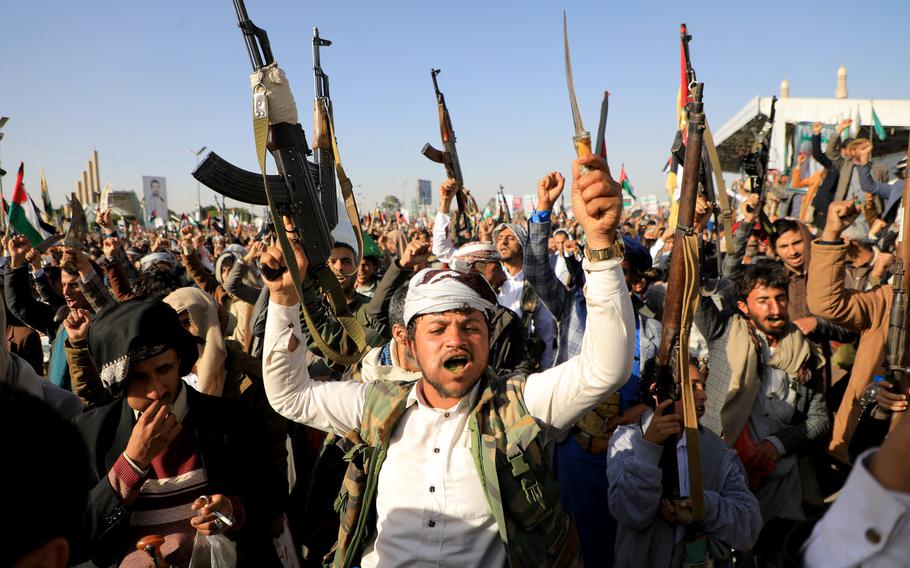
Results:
156 257
432 291
466 255
520 232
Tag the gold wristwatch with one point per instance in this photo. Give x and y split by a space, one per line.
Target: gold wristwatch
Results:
616 250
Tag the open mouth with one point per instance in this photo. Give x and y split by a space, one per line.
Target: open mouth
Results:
456 364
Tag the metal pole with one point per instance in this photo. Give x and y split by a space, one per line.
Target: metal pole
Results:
3 220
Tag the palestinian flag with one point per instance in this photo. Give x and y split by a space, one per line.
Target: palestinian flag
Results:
24 215
624 182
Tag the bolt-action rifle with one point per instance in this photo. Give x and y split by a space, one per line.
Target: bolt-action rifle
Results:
672 381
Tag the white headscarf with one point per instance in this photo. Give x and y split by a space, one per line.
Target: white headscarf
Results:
433 291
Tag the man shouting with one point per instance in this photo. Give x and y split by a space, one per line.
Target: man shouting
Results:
450 469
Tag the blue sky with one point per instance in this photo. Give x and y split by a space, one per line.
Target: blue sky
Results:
144 81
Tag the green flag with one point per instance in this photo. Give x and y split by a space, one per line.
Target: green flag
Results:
877 126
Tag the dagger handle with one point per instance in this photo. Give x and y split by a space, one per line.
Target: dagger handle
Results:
582 144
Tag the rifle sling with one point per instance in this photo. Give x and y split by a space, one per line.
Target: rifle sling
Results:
720 190
331 286
690 417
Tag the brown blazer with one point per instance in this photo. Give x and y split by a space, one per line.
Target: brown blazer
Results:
866 312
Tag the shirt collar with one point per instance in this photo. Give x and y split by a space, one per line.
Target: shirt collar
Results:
467 401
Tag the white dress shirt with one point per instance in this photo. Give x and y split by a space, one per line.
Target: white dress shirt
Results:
442 247
431 506
867 526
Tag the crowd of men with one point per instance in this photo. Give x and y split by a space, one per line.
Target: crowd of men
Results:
505 412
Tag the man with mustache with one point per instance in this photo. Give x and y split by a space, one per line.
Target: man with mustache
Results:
452 469
765 396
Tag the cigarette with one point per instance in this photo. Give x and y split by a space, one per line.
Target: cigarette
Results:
229 523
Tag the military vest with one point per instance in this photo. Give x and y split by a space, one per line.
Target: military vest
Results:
511 462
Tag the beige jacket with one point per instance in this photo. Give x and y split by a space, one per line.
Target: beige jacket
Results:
866 312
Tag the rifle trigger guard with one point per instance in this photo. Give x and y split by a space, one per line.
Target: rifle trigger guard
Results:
687 231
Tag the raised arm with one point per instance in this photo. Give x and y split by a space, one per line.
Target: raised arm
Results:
817 153
536 265
330 406
560 395
17 289
443 248
825 292
234 283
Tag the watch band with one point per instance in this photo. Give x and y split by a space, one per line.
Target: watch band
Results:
616 250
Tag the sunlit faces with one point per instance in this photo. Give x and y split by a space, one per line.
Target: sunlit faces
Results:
507 245
72 291
341 261
452 349
766 308
791 249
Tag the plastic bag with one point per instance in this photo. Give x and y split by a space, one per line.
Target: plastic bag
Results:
215 551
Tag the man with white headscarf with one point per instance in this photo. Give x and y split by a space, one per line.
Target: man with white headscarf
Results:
473 442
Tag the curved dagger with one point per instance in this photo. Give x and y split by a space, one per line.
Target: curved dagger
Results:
582 138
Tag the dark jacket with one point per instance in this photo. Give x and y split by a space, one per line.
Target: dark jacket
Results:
226 441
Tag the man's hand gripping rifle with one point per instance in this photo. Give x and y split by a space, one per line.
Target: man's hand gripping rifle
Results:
293 193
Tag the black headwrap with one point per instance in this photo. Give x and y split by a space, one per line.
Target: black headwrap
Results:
133 331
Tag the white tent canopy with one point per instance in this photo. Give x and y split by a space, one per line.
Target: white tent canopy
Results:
734 138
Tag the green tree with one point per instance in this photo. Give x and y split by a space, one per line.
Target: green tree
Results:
391 203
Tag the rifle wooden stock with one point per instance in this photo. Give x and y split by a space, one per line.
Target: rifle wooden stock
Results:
672 356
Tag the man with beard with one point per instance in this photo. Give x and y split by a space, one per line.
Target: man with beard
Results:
82 289
510 240
452 469
764 397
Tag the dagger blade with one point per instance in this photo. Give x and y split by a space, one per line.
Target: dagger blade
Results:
576 115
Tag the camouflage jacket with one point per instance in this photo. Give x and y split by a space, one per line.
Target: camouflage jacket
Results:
511 462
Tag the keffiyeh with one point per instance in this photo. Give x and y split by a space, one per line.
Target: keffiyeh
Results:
433 291
466 255
520 232
151 259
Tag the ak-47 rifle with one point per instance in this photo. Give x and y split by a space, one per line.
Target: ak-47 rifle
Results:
294 192
322 134
671 381
755 166
448 157
504 205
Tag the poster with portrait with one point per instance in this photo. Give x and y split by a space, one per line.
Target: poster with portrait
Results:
154 193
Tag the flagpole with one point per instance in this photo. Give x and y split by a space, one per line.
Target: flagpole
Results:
3 223
872 128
